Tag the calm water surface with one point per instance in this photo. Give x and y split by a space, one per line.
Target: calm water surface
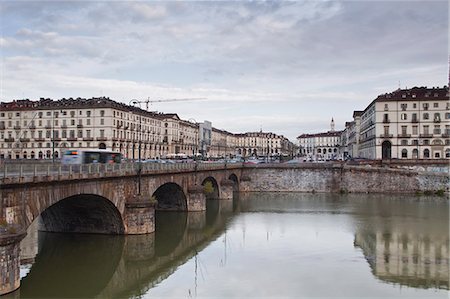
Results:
262 245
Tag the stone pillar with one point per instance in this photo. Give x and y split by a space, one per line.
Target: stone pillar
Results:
196 199
10 262
226 189
139 217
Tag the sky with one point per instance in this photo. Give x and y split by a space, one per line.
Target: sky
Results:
282 67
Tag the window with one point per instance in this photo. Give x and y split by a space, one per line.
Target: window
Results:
404 153
88 121
404 142
437 129
404 130
102 121
404 106
415 142
414 105
414 117
447 115
386 130
80 133
426 116
72 113
426 153
88 113
102 113
49 113
403 116
426 142
425 106
64 133
426 130
385 118
447 153
414 130
437 155
437 117
436 105
72 122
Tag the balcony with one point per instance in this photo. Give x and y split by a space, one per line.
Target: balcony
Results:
386 121
64 126
48 127
386 135
24 139
56 139
88 139
102 139
9 139
404 136
79 126
437 120
39 139
414 120
426 135
119 126
16 127
2 126
446 135
32 127
72 139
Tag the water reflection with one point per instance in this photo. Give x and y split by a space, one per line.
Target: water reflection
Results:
236 248
80 266
405 242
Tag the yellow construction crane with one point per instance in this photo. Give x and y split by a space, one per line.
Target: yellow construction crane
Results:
148 101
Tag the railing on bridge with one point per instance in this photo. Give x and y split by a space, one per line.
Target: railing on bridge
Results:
40 170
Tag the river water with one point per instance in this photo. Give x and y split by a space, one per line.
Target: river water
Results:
260 245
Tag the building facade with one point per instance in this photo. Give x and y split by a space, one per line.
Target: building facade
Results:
45 129
320 146
263 144
407 124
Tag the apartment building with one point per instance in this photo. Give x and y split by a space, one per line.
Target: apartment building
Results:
407 124
36 129
320 146
263 144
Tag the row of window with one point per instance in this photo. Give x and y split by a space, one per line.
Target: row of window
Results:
56 114
425 106
425 116
426 154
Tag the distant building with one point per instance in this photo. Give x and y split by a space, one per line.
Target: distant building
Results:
46 128
320 146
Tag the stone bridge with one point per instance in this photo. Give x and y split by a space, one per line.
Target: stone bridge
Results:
102 200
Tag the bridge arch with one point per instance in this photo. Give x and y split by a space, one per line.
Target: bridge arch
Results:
235 180
170 197
207 184
83 213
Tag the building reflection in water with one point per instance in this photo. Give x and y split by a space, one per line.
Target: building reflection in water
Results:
406 244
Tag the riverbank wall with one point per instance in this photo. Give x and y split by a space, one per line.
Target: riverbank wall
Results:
341 178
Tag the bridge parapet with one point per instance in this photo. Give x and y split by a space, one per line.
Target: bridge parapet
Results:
32 173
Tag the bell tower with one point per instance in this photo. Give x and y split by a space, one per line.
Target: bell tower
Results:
332 125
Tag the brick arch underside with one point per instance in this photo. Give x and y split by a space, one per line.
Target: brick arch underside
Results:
233 177
83 213
215 185
170 197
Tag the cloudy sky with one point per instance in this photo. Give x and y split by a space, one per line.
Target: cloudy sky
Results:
285 67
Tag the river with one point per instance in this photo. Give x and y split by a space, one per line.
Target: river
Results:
261 245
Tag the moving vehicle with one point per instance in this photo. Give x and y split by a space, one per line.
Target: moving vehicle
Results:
90 156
